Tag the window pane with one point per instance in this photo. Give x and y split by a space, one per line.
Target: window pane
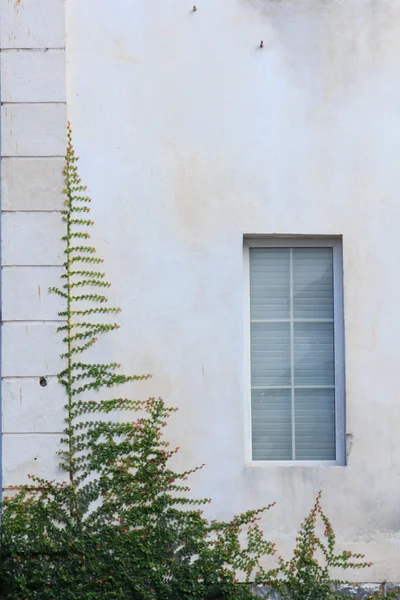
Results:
313 283
315 424
293 353
272 424
269 283
314 354
270 354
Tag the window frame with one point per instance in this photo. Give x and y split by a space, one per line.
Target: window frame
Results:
299 241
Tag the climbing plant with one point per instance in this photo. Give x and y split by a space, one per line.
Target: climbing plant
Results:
122 525
307 575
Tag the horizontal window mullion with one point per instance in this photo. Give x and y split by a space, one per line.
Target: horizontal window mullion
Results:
294 320
271 387
269 320
296 387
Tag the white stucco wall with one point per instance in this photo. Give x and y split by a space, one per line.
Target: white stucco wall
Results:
191 136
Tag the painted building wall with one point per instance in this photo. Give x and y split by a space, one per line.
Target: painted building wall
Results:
191 136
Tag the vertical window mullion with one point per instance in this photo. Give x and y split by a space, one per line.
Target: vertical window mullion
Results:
292 357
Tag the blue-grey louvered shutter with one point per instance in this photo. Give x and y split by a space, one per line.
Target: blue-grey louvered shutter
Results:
292 353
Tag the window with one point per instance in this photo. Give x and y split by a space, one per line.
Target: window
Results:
296 349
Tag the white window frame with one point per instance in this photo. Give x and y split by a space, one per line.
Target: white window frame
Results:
298 241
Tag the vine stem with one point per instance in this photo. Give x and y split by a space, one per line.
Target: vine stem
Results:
71 470
69 344
69 365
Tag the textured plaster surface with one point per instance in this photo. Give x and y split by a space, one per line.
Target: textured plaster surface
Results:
190 136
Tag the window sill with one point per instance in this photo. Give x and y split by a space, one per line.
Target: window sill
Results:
293 463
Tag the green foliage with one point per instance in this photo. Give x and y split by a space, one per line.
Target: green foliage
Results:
307 573
122 525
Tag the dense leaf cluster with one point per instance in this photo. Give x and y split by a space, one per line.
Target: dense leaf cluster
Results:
122 525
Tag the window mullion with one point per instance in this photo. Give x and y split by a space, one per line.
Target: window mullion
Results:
292 356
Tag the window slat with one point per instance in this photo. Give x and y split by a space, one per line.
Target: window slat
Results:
281 429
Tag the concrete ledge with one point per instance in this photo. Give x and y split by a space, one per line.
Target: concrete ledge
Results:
30 454
32 184
32 239
30 408
33 76
32 23
359 591
32 349
33 129
26 295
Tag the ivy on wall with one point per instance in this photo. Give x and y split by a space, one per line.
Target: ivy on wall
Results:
122 524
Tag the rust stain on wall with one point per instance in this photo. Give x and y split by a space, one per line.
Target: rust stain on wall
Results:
121 52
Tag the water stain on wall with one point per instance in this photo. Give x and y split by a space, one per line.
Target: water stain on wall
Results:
331 47
120 51
194 196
